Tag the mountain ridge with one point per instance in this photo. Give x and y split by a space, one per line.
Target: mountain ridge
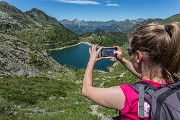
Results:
173 18
81 26
26 38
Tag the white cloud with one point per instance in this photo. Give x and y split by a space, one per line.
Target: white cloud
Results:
112 5
83 2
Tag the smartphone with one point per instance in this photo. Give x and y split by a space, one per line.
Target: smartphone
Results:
107 52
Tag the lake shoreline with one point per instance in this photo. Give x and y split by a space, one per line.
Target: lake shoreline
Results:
113 66
87 43
109 68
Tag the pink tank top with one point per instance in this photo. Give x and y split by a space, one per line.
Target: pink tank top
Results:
130 110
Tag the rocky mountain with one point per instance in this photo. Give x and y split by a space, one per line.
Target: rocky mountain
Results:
28 23
18 58
18 18
25 39
37 14
81 26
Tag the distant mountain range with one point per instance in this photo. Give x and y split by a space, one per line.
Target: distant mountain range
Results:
81 26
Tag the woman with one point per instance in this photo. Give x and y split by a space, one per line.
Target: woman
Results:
155 56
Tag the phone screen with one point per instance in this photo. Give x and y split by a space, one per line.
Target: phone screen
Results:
107 52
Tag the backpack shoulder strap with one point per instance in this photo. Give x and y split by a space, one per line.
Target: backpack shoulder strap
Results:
148 88
145 90
139 88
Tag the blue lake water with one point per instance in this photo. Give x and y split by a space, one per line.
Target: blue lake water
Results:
78 57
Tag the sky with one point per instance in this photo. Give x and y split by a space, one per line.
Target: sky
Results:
101 10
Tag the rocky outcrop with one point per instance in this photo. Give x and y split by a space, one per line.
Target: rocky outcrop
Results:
7 22
18 58
14 57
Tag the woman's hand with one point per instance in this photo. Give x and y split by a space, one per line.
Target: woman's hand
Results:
118 53
94 54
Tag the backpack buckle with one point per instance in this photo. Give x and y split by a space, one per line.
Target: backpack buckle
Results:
149 90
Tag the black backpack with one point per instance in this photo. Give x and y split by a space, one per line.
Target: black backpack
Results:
164 102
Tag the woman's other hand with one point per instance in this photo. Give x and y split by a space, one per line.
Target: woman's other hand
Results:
118 53
94 54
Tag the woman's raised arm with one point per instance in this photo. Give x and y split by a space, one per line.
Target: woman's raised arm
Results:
112 97
125 62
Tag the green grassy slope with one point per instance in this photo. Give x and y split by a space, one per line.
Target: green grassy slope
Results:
59 98
105 38
174 18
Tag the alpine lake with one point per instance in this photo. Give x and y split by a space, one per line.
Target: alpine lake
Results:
77 56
